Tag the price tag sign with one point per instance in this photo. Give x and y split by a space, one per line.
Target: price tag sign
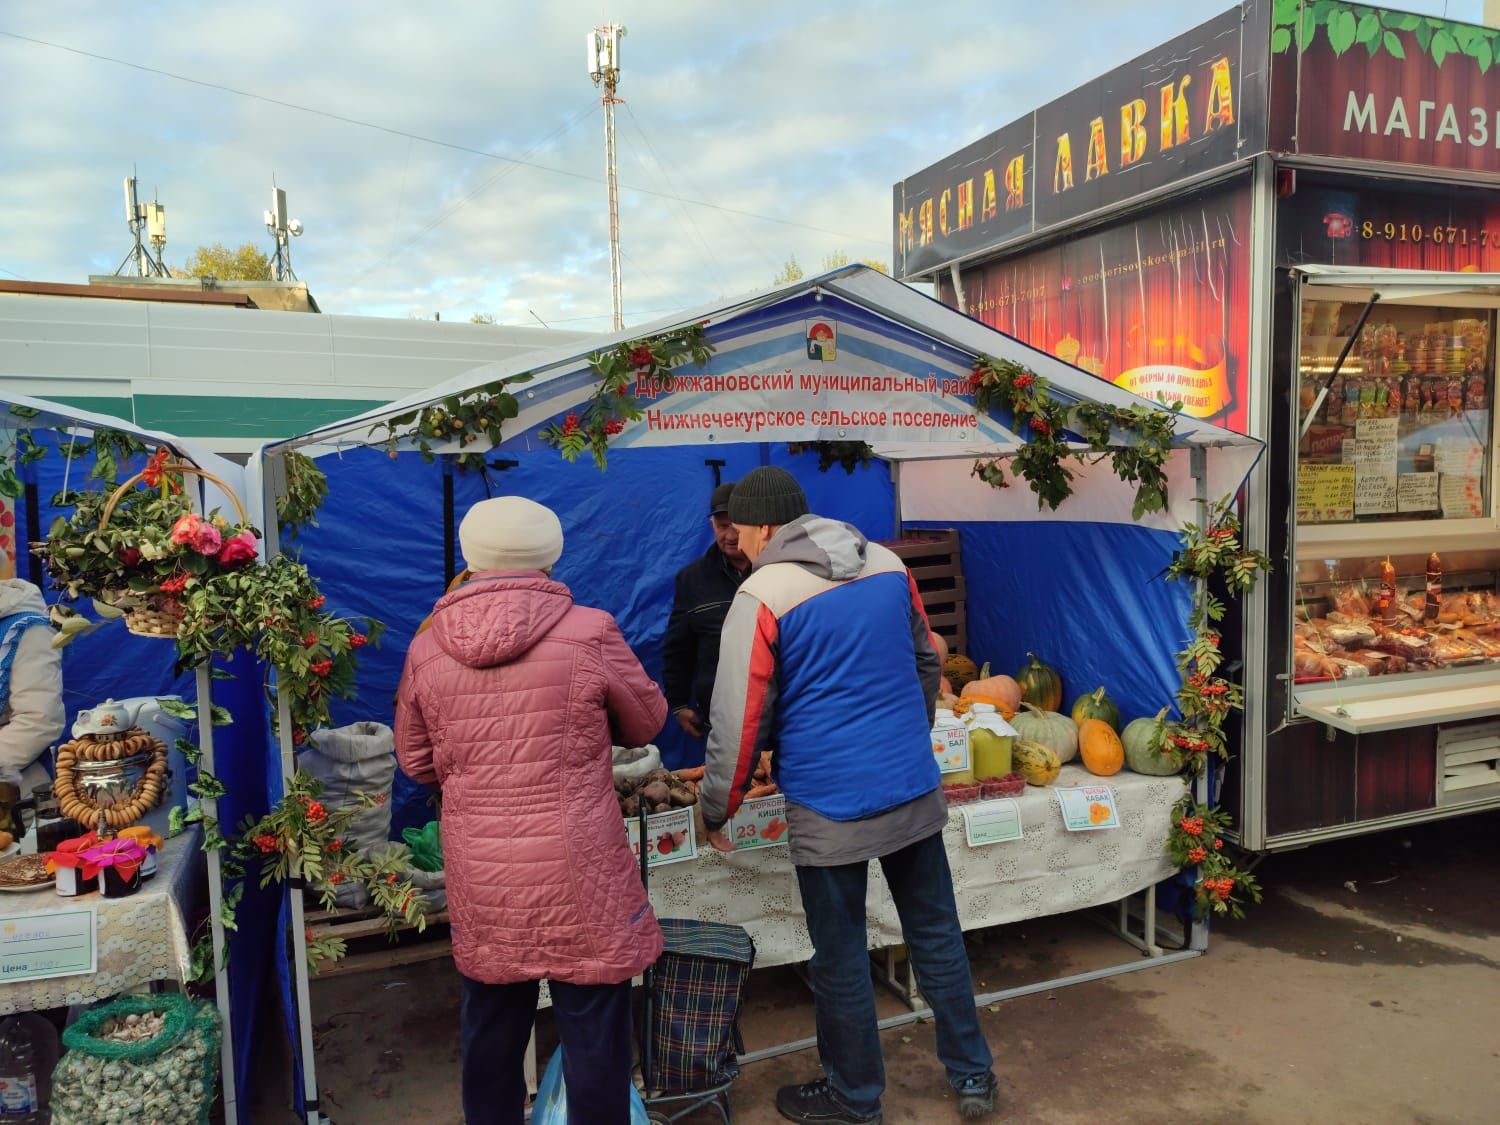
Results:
1088 808
951 749
1325 493
670 837
992 822
1417 492
760 823
56 943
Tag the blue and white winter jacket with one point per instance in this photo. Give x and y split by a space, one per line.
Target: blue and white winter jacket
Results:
826 658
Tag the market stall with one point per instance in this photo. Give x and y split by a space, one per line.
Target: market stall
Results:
851 358
137 940
80 945
1053 871
1305 251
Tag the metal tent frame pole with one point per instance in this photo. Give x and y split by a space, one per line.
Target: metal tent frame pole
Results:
1198 932
274 486
299 933
210 809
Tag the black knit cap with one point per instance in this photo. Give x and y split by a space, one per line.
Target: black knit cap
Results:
767 496
719 501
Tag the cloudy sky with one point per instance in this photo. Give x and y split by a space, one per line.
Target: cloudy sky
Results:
750 133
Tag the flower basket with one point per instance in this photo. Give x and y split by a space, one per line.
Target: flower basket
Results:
157 616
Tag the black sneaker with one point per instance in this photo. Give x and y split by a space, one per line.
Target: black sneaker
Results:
815 1103
976 1097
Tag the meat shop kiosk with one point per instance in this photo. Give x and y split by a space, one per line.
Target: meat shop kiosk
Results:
1288 219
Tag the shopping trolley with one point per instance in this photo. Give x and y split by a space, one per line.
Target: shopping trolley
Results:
690 1034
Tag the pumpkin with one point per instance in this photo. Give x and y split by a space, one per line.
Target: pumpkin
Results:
1142 739
939 645
1100 748
1035 762
1002 691
1040 684
960 670
1057 733
1096 705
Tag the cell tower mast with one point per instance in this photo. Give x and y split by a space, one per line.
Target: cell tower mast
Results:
283 230
150 218
604 69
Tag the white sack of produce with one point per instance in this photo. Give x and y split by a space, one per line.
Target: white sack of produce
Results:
635 762
351 760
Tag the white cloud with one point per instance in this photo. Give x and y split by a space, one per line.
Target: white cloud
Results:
800 112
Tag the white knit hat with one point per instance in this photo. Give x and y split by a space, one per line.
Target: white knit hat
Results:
510 533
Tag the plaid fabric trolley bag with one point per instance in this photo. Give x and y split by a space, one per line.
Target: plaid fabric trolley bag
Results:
691 1013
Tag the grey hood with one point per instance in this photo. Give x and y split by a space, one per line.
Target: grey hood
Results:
828 548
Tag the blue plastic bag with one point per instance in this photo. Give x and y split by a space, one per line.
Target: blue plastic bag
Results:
551 1106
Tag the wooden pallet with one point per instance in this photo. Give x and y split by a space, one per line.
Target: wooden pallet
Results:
353 926
933 559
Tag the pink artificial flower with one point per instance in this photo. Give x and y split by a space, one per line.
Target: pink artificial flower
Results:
237 549
208 540
186 530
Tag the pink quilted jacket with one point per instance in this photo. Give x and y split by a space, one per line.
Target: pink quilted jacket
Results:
510 702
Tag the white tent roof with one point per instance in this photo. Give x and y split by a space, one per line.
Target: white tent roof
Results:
860 285
23 412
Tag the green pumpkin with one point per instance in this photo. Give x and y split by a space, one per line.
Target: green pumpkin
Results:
1057 733
1143 740
1040 684
1096 705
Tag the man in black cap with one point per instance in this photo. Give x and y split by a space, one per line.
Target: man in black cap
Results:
828 662
705 587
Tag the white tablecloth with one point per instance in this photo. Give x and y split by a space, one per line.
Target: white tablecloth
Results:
141 938
1048 871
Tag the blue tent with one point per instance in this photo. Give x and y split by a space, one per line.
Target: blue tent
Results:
848 356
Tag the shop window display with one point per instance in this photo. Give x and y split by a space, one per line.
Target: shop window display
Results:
1404 432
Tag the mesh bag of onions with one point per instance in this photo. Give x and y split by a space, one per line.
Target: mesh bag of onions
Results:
152 1060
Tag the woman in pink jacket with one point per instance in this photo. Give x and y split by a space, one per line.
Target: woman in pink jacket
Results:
510 702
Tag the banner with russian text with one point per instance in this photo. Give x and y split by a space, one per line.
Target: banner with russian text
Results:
816 370
1158 305
1374 84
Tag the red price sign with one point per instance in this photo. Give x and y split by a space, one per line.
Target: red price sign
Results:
670 837
760 823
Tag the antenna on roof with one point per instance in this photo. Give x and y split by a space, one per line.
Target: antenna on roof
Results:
604 69
283 230
150 218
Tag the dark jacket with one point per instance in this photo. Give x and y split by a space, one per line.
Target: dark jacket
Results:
690 653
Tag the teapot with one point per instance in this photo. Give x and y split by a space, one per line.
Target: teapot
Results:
107 718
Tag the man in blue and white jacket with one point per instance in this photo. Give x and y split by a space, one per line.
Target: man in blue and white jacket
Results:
827 659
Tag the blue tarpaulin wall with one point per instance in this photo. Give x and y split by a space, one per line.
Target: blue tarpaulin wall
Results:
111 663
1086 597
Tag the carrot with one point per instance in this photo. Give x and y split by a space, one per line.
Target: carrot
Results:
765 762
768 790
692 773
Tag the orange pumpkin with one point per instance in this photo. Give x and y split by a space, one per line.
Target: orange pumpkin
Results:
1100 748
1002 691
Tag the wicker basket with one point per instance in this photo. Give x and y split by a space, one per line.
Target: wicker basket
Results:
158 615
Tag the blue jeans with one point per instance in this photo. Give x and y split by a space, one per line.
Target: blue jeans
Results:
594 1024
848 1039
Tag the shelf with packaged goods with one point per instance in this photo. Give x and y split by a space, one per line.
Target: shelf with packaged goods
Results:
1397 451
1394 616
